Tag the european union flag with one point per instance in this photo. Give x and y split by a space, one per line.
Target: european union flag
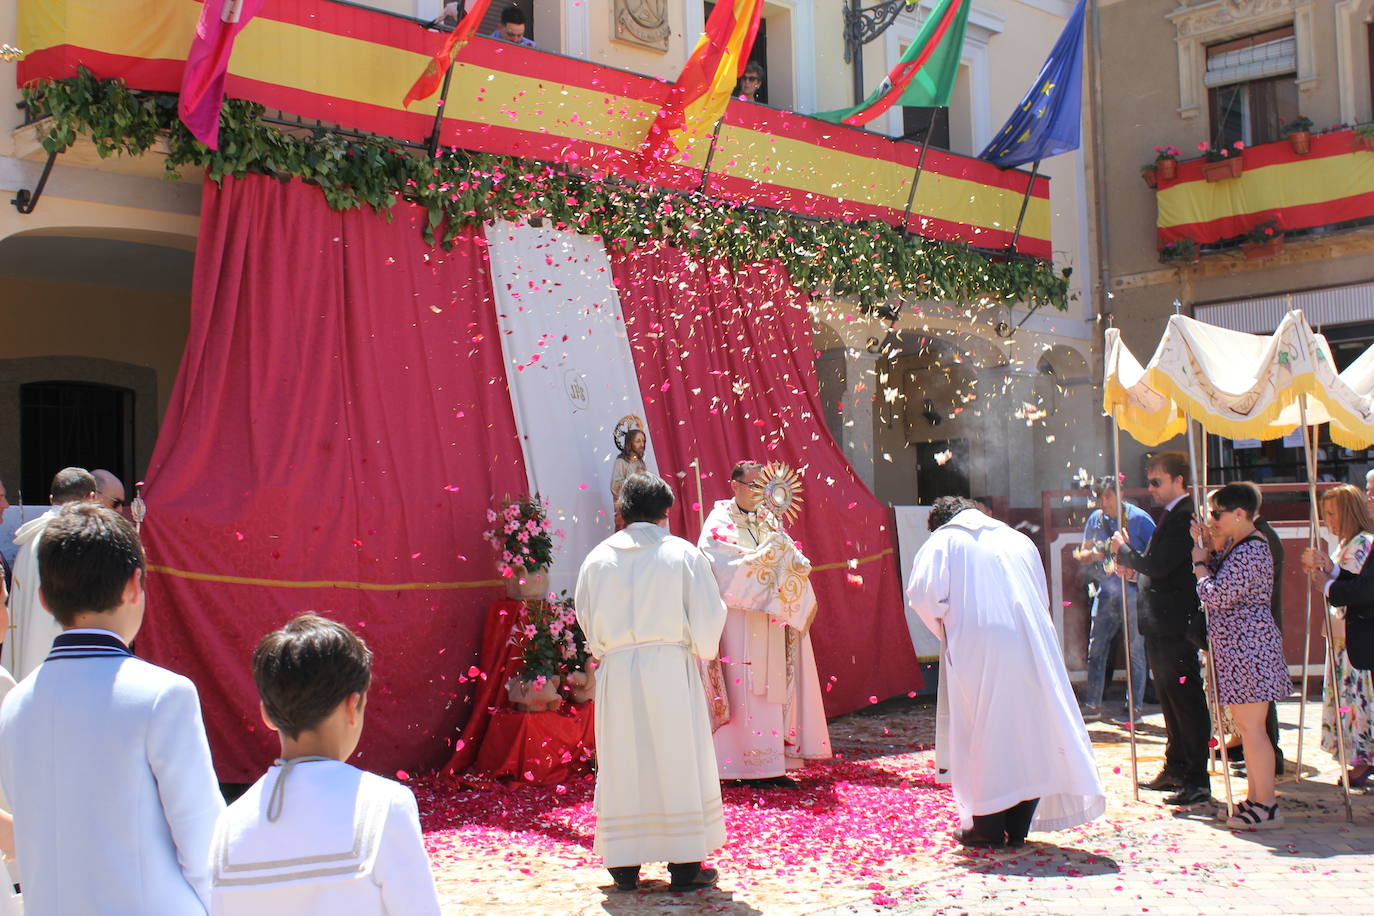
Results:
1048 120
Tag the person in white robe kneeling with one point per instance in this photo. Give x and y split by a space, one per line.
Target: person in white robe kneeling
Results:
1018 751
775 720
315 836
650 609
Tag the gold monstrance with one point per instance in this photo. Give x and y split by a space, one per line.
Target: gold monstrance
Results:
781 488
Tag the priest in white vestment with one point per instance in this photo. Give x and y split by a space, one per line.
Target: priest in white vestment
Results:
776 717
649 607
1018 751
32 628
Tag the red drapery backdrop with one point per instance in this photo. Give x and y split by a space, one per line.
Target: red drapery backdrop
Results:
727 370
338 428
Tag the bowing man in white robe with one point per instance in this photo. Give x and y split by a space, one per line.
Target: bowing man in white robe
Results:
32 628
649 607
776 717
1018 751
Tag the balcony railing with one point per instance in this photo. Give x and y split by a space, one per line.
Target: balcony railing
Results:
1330 186
347 65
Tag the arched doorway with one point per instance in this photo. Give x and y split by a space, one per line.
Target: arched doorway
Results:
64 423
92 328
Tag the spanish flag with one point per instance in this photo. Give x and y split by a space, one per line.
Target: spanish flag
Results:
433 77
698 98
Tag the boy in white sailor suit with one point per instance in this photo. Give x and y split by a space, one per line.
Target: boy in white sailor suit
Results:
315 836
102 755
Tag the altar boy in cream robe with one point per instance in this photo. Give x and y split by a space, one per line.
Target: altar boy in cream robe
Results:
1018 752
649 607
776 718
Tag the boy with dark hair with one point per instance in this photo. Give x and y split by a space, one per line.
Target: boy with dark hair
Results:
315 835
102 755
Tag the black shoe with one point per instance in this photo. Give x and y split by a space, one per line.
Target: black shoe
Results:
704 878
972 839
1015 842
773 782
1165 780
1190 795
1235 754
626 877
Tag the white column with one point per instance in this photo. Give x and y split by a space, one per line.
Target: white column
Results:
860 384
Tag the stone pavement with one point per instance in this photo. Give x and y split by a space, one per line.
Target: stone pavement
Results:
1142 857
1181 864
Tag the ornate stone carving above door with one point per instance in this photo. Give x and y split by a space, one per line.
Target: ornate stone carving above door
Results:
1200 24
641 22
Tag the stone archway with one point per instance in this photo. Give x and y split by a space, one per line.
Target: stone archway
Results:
96 305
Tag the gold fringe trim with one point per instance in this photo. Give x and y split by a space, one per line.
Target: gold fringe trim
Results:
324 583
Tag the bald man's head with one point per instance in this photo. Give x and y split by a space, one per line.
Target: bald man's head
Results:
109 490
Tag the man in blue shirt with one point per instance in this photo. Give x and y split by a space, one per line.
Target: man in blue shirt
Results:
1105 589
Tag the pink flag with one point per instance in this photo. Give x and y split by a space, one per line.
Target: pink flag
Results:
207 64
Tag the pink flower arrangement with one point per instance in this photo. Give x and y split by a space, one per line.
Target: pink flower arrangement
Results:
520 532
554 643
1216 154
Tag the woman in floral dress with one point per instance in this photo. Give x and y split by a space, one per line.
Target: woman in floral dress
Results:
1247 649
1345 515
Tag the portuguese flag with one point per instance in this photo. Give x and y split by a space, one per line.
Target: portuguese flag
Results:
924 77
698 98
433 77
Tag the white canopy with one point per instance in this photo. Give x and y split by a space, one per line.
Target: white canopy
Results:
1238 385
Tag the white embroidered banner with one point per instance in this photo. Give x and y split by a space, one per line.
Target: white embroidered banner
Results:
571 377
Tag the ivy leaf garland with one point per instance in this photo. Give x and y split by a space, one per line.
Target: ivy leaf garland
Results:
868 261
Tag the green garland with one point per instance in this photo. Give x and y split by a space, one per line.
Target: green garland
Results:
867 261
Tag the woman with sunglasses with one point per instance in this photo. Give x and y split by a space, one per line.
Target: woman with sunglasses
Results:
1234 585
1346 517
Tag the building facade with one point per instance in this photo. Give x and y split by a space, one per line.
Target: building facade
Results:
944 399
1219 73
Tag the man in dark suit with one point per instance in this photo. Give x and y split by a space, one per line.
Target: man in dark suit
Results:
1168 600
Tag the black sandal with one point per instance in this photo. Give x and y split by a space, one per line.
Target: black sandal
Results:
1254 816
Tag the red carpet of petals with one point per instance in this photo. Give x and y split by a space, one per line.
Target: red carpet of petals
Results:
847 819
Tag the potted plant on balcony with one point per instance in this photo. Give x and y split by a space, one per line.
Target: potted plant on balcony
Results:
1264 240
1222 162
1364 136
520 533
1166 162
1299 132
1182 251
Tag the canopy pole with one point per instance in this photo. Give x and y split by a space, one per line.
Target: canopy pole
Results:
1125 614
1217 756
1307 615
1215 697
1310 450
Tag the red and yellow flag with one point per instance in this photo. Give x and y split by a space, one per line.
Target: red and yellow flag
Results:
698 98
433 77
